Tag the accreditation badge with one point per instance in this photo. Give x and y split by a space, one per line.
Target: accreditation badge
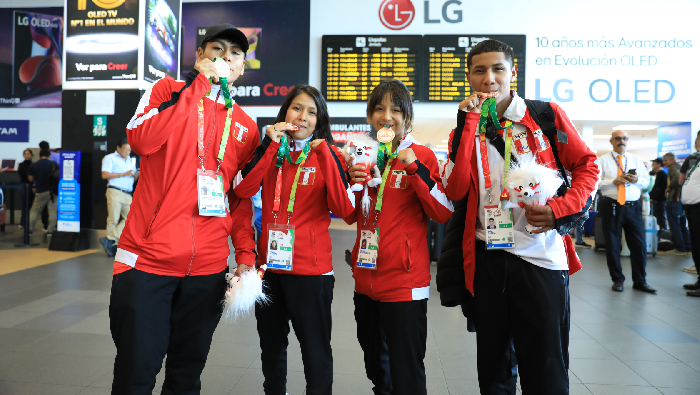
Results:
369 247
499 228
280 247
210 194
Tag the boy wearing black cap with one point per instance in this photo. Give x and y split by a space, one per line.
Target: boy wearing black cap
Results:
169 269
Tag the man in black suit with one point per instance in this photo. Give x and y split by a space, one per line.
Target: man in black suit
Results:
657 195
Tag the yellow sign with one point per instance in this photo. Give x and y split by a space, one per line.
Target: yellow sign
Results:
81 4
108 4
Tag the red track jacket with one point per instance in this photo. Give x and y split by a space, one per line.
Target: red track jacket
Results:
164 234
461 178
403 261
322 189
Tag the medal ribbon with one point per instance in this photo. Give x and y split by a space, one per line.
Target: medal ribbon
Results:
488 111
282 154
224 88
200 134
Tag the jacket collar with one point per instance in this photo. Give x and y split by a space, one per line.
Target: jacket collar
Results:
517 108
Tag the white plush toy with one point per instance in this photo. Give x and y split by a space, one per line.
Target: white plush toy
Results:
531 183
363 151
242 292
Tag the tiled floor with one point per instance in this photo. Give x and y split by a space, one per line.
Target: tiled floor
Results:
54 335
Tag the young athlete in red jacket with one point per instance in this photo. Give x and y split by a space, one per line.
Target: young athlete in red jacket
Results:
299 277
392 277
172 257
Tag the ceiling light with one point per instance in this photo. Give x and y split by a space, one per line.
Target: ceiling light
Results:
601 136
635 127
444 141
441 145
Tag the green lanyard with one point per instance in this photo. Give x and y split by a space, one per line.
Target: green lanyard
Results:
384 148
200 135
697 161
224 89
282 154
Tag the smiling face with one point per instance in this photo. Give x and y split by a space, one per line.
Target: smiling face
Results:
492 72
388 114
303 113
231 53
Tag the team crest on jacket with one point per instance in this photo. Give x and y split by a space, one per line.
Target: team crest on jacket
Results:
540 140
398 179
521 145
307 176
240 132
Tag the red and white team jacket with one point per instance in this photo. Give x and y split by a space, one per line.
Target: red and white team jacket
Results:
461 177
164 233
322 187
411 195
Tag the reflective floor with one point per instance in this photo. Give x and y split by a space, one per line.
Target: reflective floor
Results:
54 333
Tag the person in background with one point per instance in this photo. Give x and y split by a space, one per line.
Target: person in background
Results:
679 233
578 233
23 170
119 169
689 198
55 154
40 174
623 178
658 192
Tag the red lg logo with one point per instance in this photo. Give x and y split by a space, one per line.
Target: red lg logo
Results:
396 14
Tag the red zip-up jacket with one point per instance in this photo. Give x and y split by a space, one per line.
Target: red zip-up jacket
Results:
461 178
164 233
320 189
412 194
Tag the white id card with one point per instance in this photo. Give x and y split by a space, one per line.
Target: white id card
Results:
210 194
369 246
499 228
280 246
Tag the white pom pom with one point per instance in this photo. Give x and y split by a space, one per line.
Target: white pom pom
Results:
243 293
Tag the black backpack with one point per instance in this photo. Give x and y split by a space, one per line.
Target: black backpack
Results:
543 114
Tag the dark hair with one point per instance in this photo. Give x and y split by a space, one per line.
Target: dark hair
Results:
44 153
44 145
30 152
122 142
658 161
400 96
323 121
491 46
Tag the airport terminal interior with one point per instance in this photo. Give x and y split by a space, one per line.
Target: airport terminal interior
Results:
55 338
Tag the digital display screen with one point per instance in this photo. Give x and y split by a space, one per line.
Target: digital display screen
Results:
353 65
446 64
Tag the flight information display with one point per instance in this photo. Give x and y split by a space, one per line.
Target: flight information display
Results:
353 65
446 64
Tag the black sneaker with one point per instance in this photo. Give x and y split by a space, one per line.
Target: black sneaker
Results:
108 245
583 244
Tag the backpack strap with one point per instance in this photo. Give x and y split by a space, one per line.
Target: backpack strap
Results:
543 114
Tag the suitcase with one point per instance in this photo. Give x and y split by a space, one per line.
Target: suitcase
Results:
651 231
598 233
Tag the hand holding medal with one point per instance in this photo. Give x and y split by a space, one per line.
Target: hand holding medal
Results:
276 131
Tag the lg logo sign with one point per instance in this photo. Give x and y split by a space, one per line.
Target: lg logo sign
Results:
396 14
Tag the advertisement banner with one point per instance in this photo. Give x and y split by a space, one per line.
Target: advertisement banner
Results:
14 131
675 138
278 35
343 129
162 39
31 57
101 44
69 192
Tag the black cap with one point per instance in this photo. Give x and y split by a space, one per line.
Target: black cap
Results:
228 32
658 161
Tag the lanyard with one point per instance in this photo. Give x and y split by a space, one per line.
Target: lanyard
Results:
697 161
282 154
391 155
201 152
618 163
488 109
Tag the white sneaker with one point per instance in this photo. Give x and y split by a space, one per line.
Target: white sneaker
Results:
675 252
690 269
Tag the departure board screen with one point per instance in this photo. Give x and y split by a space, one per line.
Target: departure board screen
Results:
353 65
446 64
